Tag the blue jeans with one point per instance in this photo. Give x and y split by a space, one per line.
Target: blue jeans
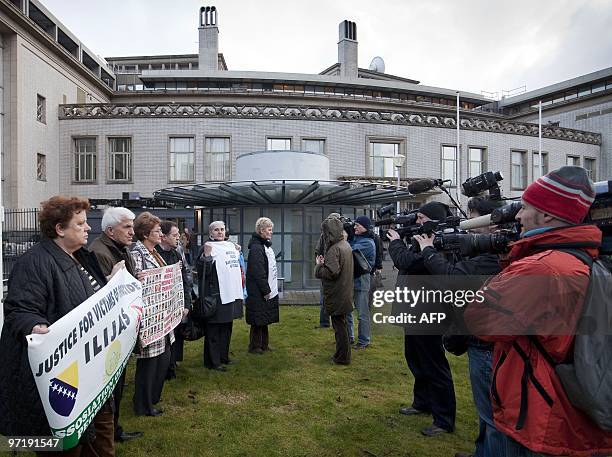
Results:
490 441
363 310
514 449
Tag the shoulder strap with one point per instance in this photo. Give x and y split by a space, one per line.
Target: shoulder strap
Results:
580 255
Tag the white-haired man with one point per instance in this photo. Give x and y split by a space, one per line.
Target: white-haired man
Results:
111 248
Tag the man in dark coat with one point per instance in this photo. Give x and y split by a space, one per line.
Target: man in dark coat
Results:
262 287
110 248
433 390
335 270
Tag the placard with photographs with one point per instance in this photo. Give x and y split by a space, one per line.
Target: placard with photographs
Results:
163 298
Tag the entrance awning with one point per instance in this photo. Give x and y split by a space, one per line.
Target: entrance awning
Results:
283 192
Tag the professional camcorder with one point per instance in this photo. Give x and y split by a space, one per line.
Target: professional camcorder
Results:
600 214
485 182
450 235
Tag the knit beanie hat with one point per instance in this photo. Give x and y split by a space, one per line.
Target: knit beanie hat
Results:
566 193
436 211
364 221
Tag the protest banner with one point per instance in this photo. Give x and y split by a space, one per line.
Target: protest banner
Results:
77 364
229 275
163 302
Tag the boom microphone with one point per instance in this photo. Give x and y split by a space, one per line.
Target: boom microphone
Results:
476 222
423 185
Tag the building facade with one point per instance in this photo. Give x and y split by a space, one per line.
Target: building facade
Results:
175 124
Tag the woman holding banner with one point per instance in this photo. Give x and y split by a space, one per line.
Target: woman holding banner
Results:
221 294
47 282
154 359
262 286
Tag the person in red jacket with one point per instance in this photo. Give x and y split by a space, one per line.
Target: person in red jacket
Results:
541 293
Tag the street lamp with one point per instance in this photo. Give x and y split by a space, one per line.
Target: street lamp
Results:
398 162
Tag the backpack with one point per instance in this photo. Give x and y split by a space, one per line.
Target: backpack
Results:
587 381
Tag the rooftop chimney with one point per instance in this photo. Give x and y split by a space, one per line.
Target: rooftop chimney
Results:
347 49
209 39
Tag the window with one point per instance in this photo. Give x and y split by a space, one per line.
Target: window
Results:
589 166
217 159
477 161
381 158
120 159
518 170
572 161
41 109
313 145
85 160
41 167
279 144
182 152
536 164
449 164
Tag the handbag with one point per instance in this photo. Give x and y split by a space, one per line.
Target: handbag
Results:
192 330
205 307
361 265
377 281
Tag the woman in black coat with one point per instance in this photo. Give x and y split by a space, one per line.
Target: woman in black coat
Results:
47 282
261 285
219 326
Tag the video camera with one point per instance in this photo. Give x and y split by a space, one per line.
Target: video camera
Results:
471 244
485 182
600 214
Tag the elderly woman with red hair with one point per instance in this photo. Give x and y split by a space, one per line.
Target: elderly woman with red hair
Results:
50 280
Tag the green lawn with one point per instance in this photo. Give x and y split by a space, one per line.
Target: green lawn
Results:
295 402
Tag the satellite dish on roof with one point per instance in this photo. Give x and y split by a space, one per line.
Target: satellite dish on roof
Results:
377 64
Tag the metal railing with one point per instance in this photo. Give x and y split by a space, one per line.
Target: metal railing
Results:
20 231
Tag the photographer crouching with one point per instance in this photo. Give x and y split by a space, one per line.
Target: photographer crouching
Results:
490 442
433 390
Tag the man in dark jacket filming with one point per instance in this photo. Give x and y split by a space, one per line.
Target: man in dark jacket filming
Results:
434 392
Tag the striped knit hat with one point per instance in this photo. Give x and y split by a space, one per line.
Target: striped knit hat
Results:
566 193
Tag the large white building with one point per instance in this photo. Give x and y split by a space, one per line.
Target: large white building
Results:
185 128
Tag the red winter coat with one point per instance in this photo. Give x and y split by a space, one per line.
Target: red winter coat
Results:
545 290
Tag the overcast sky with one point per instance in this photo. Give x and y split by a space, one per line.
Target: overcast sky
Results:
470 45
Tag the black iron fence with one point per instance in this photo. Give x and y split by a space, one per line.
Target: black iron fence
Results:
20 232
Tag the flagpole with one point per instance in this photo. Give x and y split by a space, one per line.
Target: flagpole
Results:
458 162
540 161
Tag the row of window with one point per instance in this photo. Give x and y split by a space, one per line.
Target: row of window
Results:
477 164
217 159
181 152
138 68
181 157
564 96
299 89
519 167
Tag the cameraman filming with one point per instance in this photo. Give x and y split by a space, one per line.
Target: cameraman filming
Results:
433 391
490 442
530 312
